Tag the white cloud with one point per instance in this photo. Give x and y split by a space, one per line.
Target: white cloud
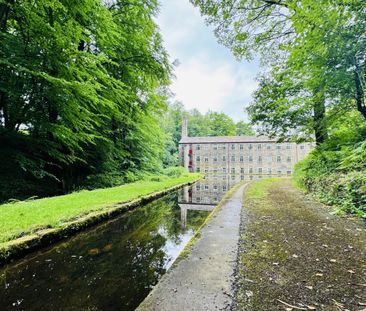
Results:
208 78
206 85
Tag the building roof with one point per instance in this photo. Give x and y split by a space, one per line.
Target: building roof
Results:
226 139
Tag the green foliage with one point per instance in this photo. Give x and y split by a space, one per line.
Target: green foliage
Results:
175 171
335 171
81 88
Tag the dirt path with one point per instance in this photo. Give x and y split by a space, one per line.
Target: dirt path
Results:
203 280
296 255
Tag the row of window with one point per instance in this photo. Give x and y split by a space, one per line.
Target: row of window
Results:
242 158
245 146
259 170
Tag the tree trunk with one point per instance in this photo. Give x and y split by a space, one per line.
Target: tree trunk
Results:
320 127
4 11
360 96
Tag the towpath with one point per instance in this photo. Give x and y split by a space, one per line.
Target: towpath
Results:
203 280
295 254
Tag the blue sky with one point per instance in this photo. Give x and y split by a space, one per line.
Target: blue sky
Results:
208 77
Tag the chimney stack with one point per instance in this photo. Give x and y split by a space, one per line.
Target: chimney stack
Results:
185 127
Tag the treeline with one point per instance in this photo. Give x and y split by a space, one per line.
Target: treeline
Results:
82 86
208 124
83 97
313 85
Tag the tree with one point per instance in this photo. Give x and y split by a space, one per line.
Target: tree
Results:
244 129
322 42
81 87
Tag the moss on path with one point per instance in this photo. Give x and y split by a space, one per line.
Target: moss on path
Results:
295 255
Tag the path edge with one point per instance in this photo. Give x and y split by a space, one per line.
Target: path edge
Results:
145 304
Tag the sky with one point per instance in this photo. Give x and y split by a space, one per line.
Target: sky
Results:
208 76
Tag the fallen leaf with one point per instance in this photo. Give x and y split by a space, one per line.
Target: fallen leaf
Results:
319 274
309 287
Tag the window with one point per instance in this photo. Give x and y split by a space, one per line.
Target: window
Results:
259 146
260 159
224 170
223 147
206 170
223 158
242 170
233 170
206 187
232 177
206 159
242 177
250 170
232 146
241 147
232 158
302 146
198 170
198 199
198 158
224 188
215 147
250 159
198 187
288 172
241 159
251 177
268 147
288 159
215 187
279 172
269 171
288 146
278 147
215 171
259 170
250 146
198 147
278 158
215 159
207 147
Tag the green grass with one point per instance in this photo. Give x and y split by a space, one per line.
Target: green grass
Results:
17 219
258 189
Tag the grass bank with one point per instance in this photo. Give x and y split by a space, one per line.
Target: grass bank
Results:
293 254
22 218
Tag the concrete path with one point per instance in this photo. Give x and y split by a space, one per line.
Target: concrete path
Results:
203 280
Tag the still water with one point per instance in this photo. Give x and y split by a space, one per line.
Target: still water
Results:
114 265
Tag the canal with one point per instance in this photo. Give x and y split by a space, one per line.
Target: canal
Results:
115 265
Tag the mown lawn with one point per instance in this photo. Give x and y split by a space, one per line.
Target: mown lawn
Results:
16 219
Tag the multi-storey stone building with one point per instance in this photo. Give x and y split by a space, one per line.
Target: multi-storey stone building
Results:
237 158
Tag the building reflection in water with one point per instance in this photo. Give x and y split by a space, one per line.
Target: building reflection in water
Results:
205 194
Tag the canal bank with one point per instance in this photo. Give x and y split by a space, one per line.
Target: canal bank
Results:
111 266
203 277
39 235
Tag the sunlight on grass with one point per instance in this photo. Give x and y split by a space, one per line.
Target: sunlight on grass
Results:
25 217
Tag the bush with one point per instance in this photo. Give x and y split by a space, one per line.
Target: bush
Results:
176 171
332 177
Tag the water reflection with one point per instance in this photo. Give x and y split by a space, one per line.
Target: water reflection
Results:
111 267
205 194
